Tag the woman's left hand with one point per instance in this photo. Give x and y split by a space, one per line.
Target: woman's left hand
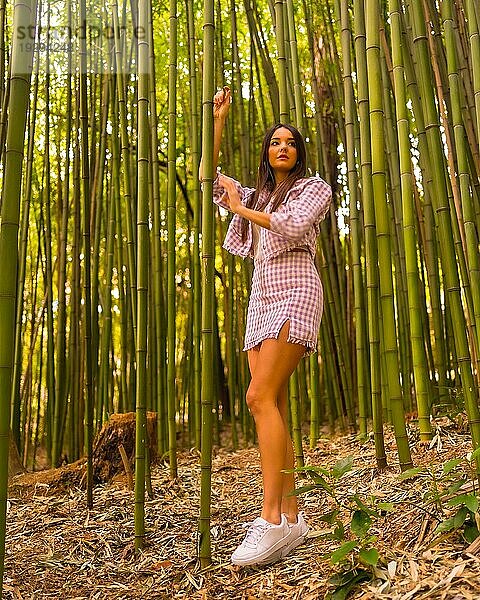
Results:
231 191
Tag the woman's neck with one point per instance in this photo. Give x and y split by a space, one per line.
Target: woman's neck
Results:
280 178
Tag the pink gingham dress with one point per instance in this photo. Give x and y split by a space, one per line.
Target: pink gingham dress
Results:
285 285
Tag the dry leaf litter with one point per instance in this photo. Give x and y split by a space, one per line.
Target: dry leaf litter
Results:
56 548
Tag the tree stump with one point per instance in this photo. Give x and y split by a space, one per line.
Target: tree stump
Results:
119 431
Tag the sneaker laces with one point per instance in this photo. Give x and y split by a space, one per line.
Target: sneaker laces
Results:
254 532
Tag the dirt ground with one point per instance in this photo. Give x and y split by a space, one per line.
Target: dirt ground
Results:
56 548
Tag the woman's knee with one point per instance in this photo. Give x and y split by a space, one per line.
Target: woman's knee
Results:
253 399
257 400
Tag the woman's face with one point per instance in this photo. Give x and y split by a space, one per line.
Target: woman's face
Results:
282 153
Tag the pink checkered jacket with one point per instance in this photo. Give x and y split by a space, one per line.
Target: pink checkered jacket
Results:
294 224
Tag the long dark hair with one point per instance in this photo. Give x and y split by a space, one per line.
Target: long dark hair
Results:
265 175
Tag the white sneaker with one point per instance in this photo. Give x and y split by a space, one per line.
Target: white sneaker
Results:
298 533
263 540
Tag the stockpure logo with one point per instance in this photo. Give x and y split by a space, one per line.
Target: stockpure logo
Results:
85 32
58 47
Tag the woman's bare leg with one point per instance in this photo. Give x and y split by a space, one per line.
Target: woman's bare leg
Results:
274 363
252 358
289 503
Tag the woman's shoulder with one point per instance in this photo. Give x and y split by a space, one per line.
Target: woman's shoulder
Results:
313 184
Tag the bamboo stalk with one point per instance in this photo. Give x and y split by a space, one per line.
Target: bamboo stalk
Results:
204 548
468 214
442 212
171 239
421 379
281 60
142 260
21 63
362 379
16 400
371 252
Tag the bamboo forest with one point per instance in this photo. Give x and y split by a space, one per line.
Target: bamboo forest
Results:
129 458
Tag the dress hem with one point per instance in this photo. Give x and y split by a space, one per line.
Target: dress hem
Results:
310 346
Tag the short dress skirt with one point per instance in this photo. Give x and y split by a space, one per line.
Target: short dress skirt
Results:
285 287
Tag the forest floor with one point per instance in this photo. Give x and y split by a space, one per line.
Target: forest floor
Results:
58 549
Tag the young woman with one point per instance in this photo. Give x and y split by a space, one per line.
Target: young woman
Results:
276 224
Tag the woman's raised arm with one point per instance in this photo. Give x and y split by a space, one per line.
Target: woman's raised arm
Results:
221 106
